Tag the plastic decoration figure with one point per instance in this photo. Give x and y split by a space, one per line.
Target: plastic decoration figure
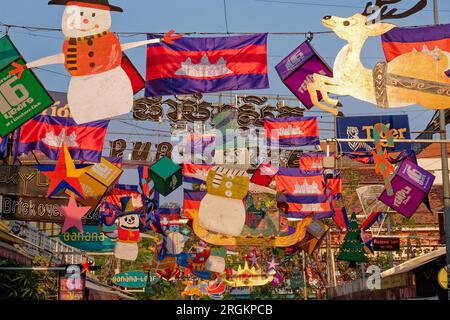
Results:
92 54
128 232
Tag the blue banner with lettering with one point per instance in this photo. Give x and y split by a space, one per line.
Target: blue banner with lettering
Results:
362 128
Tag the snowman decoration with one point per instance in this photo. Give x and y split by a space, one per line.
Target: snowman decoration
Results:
92 54
222 210
128 232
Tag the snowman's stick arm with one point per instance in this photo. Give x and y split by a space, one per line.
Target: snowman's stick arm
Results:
55 59
131 45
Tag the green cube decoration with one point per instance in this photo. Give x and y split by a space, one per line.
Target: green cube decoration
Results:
166 175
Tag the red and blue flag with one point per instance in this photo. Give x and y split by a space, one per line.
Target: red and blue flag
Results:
428 39
370 221
3 147
200 65
191 202
304 195
341 218
55 126
311 162
199 170
292 132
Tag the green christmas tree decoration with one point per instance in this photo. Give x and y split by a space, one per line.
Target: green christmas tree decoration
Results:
352 249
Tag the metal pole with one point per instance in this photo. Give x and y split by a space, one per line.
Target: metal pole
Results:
389 230
445 178
304 276
384 140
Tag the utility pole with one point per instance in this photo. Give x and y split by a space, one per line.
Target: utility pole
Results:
444 160
389 232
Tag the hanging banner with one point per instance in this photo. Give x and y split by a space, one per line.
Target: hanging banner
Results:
427 39
297 70
91 240
199 65
134 279
20 99
362 128
290 132
54 126
411 185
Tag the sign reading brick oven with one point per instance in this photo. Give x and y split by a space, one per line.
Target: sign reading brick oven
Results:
386 244
23 197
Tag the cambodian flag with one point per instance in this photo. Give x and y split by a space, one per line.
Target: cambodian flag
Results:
291 132
3 147
341 218
200 148
334 185
292 181
304 195
55 126
311 162
199 170
199 65
112 203
427 39
192 201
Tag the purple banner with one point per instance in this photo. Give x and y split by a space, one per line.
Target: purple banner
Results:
297 69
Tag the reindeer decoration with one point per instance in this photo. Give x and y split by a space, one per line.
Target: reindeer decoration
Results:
412 78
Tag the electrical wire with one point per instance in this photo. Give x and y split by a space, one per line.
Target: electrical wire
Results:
226 15
302 3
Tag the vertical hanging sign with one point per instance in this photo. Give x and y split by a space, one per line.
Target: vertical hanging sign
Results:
20 99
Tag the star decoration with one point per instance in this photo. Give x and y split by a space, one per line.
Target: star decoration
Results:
65 174
73 215
86 266
273 264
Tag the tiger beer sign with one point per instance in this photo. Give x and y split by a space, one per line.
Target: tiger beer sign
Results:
362 128
20 99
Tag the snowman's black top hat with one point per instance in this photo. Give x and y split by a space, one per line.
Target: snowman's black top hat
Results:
95 3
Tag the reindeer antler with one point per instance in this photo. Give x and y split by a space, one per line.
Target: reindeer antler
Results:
379 11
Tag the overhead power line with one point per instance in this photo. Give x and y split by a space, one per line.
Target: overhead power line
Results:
303 3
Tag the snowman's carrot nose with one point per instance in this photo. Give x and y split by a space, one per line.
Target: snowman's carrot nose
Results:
86 21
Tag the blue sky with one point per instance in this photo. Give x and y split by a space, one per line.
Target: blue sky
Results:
208 16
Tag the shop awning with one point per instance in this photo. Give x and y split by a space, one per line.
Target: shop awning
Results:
107 290
414 263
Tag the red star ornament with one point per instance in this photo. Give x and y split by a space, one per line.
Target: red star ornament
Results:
65 175
73 215
86 266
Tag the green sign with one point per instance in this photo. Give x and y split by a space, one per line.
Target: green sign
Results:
134 279
91 240
20 99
